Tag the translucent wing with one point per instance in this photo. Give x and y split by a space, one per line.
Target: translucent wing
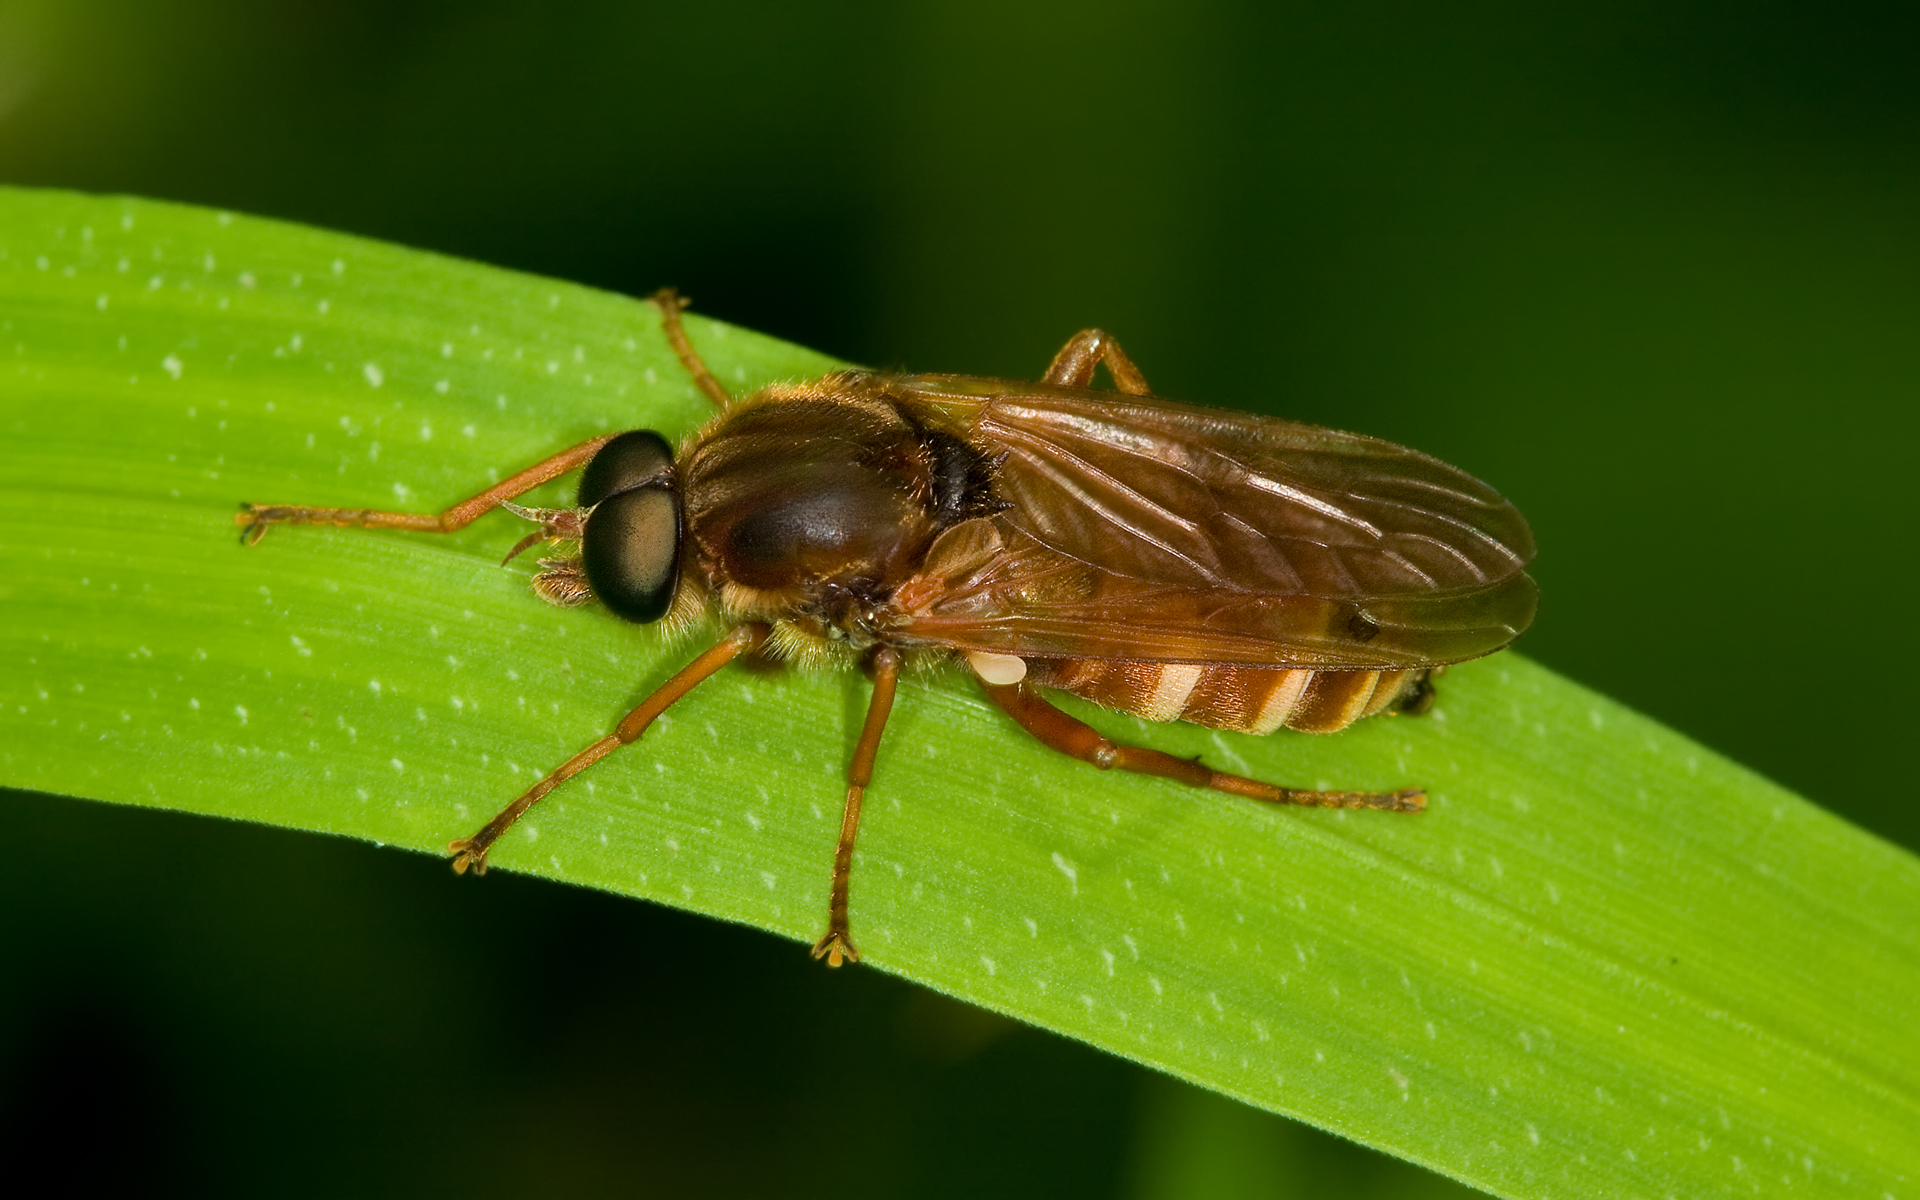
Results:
1143 529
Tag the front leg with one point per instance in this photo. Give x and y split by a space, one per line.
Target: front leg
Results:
470 853
255 518
670 302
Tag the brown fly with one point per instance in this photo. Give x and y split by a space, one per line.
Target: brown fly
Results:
1171 562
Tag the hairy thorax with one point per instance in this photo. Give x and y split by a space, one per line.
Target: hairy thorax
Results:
810 505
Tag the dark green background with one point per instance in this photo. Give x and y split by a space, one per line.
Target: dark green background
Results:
1653 269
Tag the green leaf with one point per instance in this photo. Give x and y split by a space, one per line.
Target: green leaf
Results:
1605 962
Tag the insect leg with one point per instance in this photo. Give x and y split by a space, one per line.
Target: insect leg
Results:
1080 740
472 852
838 941
1073 366
255 519
670 302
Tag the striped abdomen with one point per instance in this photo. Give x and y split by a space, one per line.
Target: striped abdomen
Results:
1244 699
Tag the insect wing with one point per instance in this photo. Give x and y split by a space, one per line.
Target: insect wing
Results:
1143 529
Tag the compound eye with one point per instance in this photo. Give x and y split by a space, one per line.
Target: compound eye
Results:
629 461
631 551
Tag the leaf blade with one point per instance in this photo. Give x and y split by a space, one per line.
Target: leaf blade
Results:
1605 960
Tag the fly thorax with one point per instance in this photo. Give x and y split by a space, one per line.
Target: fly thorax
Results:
792 496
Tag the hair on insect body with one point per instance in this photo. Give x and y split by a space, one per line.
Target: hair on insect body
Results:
1167 561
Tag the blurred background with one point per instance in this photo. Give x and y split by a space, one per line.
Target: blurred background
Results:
1651 268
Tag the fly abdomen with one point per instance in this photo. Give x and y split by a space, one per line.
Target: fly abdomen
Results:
1243 699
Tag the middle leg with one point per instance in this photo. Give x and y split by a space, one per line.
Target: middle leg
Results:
1086 350
838 940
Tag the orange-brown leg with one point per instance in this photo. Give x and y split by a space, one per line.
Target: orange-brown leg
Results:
1074 365
257 517
1080 740
838 941
472 852
670 302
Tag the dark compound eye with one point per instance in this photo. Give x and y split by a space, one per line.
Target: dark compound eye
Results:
629 461
631 551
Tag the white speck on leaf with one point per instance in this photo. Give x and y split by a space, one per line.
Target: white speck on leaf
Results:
1066 868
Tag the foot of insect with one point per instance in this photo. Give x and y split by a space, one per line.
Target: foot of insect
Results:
255 519
468 854
837 946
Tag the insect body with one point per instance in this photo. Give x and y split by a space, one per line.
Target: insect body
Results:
1172 562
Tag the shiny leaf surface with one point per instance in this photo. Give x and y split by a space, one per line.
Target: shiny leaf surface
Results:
1605 962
